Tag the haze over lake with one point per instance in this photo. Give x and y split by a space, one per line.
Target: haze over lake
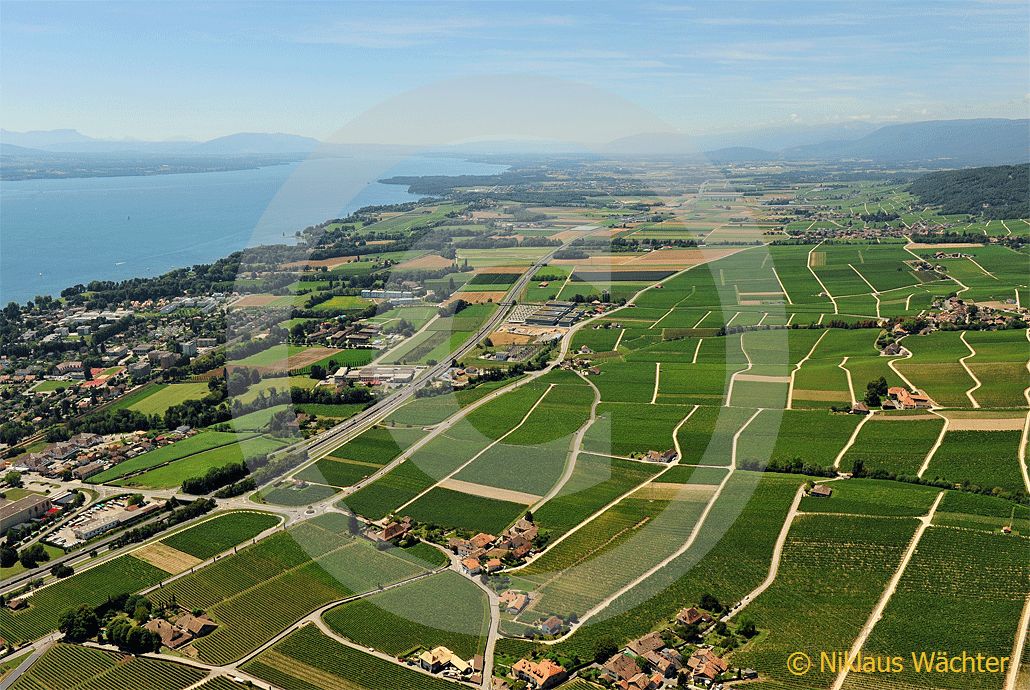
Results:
58 232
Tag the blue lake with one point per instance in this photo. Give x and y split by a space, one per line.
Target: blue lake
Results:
56 233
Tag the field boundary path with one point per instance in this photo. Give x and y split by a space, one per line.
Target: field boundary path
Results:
936 445
962 361
1025 439
852 439
836 309
675 554
1018 644
774 564
847 374
892 584
574 450
797 367
733 378
657 379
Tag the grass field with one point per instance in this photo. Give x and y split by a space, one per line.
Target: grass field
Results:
172 474
202 441
169 396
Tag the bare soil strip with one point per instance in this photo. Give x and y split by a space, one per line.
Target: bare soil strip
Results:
489 491
166 558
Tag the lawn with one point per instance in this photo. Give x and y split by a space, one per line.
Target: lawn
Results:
172 474
202 441
169 396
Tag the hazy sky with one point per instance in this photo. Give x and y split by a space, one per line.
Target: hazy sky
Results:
163 70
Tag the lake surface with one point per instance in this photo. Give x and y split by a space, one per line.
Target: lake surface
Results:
60 232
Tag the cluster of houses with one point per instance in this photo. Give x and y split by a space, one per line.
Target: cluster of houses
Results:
355 334
485 552
648 662
182 630
539 675
85 454
901 398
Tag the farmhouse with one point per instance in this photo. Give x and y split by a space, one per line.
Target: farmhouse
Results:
394 529
171 636
552 625
539 675
440 658
693 616
513 602
665 456
821 491
906 400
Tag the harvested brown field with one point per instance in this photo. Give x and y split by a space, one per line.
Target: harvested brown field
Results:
254 301
808 394
942 245
477 297
500 338
429 261
489 491
319 263
166 558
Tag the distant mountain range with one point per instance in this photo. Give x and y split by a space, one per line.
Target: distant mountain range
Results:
71 141
946 143
940 143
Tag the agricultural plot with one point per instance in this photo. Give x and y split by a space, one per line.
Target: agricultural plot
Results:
980 512
616 547
308 660
93 586
172 474
442 337
729 558
203 441
344 303
290 494
270 386
978 578
786 436
626 429
707 437
822 381
874 498
457 509
1000 365
894 443
981 458
260 590
66 666
361 456
806 611
169 395
596 339
934 367
293 358
595 482
445 609
220 533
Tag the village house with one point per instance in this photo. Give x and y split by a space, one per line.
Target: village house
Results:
552 625
665 456
705 664
648 643
619 667
641 681
394 529
513 602
471 566
666 662
539 675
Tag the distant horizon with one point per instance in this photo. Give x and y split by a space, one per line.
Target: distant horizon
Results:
158 71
